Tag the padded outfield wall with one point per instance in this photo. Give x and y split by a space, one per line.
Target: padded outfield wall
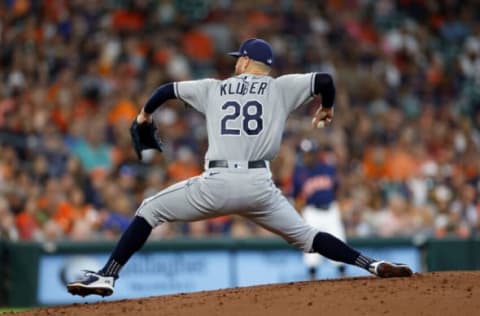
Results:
33 274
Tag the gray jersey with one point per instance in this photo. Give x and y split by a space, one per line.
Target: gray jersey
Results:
246 114
245 117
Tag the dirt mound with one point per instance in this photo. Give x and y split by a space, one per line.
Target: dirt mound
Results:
436 293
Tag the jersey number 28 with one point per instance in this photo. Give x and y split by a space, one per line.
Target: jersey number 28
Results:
252 122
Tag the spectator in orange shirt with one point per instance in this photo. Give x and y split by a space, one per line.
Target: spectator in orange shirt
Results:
123 110
375 162
399 164
75 209
198 45
27 221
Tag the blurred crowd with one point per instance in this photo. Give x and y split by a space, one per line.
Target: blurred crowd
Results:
73 74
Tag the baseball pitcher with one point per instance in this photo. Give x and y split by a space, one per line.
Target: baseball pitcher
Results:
245 116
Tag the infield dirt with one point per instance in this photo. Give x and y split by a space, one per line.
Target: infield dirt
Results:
435 293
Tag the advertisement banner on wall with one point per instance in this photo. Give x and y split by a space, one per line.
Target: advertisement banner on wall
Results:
160 273
146 274
255 267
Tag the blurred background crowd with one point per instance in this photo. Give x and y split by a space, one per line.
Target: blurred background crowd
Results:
73 74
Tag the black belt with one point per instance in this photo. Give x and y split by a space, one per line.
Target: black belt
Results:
224 164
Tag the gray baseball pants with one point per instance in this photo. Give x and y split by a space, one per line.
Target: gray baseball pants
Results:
234 190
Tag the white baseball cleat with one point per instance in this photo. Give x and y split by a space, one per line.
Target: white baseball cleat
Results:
385 269
92 283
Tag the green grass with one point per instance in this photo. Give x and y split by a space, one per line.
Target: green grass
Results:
12 309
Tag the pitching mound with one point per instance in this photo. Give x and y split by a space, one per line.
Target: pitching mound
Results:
436 293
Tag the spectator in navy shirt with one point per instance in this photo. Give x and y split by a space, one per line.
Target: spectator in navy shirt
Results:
314 186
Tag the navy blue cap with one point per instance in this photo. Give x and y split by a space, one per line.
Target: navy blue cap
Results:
256 49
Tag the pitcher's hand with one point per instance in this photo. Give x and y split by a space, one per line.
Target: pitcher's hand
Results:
322 117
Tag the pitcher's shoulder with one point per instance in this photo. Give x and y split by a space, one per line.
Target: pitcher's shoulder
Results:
294 76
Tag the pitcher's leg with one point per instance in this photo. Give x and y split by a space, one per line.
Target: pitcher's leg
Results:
281 218
168 205
172 204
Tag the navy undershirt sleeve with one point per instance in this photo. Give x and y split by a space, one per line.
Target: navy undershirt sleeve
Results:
324 86
163 93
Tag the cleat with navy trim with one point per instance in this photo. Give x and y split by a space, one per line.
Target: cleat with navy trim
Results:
92 283
385 269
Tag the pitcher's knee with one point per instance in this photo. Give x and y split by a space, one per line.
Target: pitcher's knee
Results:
303 241
149 214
